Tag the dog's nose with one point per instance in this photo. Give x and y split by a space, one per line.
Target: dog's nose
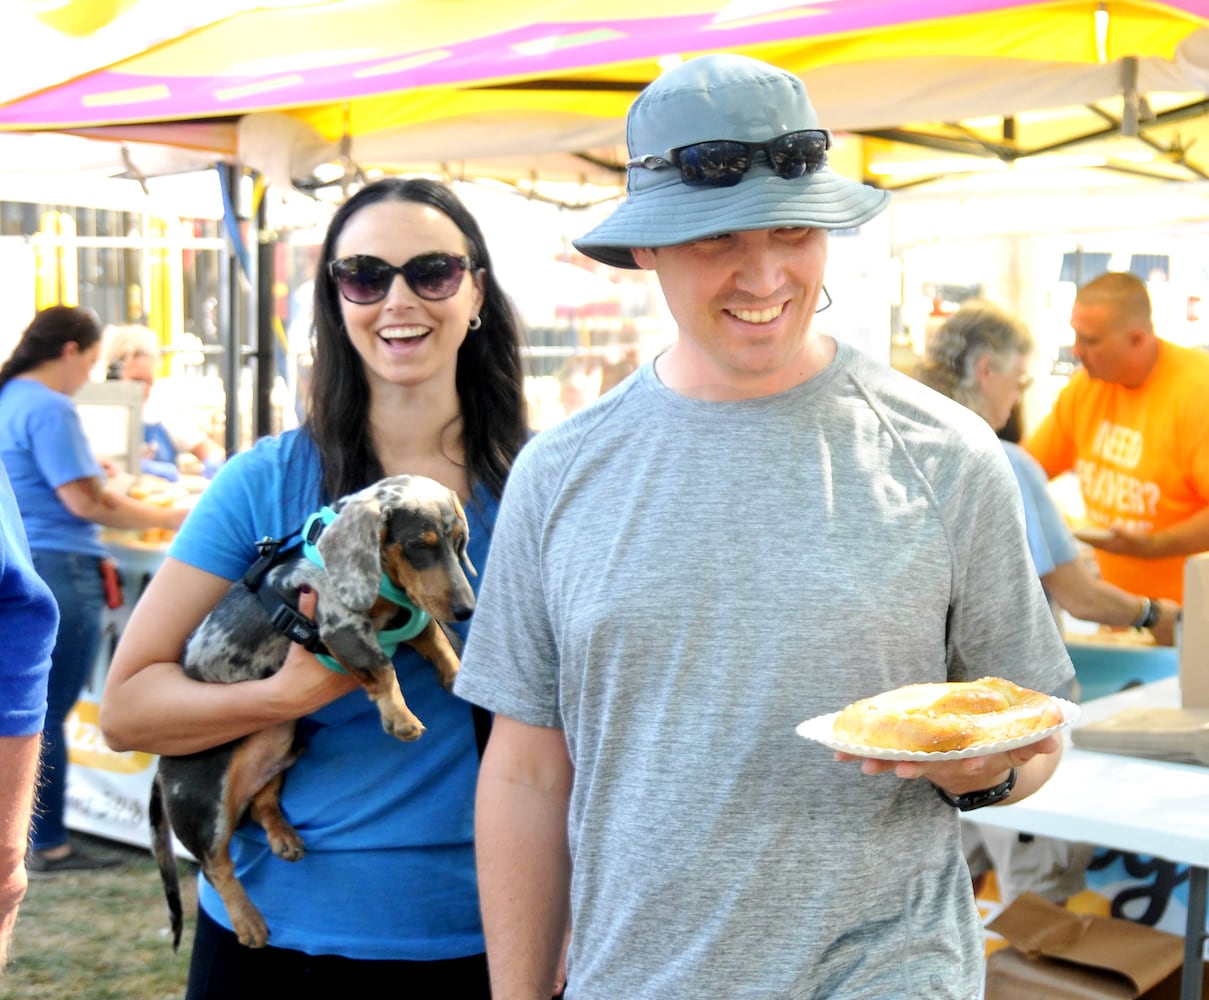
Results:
462 611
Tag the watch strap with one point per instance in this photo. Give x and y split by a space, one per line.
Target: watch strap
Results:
1149 617
985 797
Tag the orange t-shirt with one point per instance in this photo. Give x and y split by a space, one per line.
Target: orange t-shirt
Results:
1141 455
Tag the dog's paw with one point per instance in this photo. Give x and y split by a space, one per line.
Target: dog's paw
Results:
287 846
406 729
250 927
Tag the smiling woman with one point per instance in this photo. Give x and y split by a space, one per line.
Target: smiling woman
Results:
408 332
416 371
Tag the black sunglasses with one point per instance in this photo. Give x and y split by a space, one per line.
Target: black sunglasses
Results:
433 276
723 162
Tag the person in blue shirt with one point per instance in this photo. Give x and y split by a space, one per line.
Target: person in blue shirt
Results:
61 494
29 618
979 356
417 370
132 354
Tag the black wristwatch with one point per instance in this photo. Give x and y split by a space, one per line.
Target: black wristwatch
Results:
976 800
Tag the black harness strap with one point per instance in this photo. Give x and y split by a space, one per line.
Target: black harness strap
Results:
285 618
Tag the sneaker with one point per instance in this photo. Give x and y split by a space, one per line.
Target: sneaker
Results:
79 859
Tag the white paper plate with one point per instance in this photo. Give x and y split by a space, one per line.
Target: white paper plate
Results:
1093 535
820 729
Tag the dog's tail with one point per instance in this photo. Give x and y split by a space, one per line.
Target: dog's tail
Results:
161 846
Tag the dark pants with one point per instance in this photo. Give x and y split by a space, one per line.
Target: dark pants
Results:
223 969
75 580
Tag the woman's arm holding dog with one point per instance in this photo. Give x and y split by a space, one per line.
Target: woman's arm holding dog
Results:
523 859
149 704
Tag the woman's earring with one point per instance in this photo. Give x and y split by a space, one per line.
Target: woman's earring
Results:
475 323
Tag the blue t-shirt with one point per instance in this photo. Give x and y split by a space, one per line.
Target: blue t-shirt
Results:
43 446
1049 539
29 619
159 458
389 866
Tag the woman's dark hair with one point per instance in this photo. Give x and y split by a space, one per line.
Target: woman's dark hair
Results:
47 333
490 380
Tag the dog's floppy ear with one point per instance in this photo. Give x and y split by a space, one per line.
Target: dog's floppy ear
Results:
465 554
351 551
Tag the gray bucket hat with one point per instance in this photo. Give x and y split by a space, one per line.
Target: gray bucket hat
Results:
721 96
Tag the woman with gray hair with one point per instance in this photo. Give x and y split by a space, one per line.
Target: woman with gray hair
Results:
979 357
132 354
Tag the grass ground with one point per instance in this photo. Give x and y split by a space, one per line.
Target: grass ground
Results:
101 935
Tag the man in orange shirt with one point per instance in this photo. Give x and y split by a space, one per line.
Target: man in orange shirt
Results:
1133 424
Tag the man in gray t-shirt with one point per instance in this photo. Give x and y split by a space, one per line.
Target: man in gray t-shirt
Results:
758 528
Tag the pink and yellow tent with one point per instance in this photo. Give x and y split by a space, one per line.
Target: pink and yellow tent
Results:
518 87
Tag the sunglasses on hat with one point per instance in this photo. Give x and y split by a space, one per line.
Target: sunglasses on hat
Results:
723 162
364 280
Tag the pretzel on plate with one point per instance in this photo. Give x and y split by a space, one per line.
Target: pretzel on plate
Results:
947 716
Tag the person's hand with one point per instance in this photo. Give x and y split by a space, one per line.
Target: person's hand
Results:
959 777
1164 629
303 682
1120 542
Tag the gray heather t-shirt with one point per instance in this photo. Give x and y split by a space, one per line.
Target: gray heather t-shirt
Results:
677 584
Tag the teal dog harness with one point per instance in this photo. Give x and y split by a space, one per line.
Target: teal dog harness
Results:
414 620
289 621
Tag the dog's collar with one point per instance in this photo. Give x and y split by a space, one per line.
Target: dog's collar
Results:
415 620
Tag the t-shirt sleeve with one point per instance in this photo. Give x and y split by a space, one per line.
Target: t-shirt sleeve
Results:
245 502
28 618
1000 620
1193 441
510 664
1049 539
59 445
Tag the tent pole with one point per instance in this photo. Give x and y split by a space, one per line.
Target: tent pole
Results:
262 304
231 317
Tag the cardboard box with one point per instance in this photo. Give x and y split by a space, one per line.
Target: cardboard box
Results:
1178 734
1055 954
1194 637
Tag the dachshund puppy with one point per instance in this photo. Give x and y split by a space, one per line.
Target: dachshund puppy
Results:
388 564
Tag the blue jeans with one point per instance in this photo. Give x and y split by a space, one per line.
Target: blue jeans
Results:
75 580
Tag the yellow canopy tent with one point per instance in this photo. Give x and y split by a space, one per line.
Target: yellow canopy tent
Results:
522 88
